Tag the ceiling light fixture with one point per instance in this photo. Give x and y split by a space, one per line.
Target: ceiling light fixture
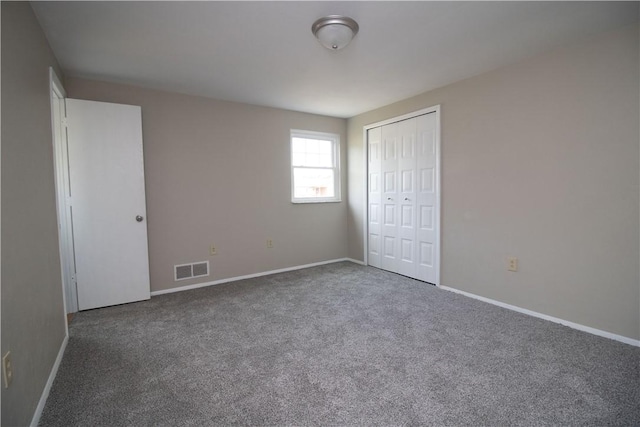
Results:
334 31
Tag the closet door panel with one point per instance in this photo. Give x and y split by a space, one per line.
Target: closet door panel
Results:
426 235
375 196
406 201
390 193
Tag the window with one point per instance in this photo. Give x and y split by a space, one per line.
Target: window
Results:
315 167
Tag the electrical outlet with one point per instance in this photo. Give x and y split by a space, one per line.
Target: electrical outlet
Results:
213 250
512 264
7 369
269 243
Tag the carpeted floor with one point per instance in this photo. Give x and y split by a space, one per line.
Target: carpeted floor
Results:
339 344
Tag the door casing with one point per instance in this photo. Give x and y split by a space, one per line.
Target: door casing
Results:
61 170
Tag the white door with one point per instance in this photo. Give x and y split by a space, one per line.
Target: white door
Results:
427 235
390 194
403 234
106 175
406 201
398 231
375 195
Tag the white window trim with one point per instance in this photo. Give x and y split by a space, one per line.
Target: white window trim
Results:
335 138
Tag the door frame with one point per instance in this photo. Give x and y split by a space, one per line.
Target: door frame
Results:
365 138
61 178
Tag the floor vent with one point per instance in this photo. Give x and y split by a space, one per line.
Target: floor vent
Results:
189 271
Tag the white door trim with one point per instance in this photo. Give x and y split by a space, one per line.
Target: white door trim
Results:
434 109
61 179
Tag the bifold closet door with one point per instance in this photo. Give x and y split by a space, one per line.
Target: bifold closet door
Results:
389 175
426 199
402 234
398 168
374 229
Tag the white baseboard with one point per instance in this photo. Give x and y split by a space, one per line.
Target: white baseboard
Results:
248 276
355 261
573 325
47 387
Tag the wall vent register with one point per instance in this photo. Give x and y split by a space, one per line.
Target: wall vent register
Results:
190 271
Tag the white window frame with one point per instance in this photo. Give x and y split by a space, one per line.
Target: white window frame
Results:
335 140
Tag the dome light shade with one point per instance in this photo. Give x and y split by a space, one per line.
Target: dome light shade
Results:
334 31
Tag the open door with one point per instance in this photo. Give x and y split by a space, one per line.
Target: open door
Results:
107 203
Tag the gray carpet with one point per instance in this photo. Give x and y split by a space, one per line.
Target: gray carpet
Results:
339 344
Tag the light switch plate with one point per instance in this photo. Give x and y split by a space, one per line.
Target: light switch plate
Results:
7 369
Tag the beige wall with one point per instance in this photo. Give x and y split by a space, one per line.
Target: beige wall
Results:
33 325
218 173
540 160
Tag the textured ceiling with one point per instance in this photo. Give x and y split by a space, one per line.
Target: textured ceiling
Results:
264 53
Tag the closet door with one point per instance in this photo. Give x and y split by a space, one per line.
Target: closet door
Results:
375 195
426 207
403 199
398 166
406 201
390 215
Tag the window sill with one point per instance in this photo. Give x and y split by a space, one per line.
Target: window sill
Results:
306 201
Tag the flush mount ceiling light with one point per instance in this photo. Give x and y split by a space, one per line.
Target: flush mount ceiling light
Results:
334 31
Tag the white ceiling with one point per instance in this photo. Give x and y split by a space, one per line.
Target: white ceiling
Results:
264 53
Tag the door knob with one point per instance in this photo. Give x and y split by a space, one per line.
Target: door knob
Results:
406 199
139 218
